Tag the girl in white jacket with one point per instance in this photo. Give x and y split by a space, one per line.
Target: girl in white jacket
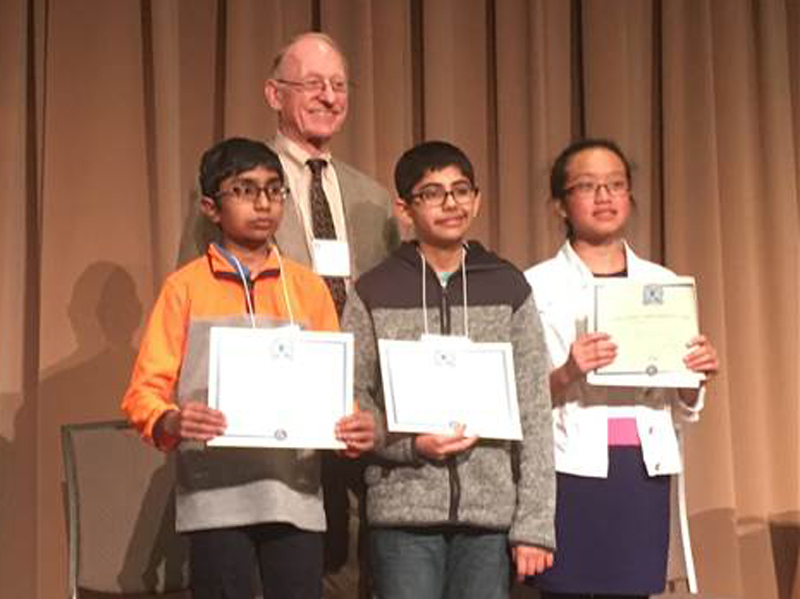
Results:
615 447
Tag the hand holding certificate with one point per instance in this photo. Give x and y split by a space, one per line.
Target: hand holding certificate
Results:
651 324
280 387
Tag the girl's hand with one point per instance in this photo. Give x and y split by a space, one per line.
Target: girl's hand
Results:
702 357
589 351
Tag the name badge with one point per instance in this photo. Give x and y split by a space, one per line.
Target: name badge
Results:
331 257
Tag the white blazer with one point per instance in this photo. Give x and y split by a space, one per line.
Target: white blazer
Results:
562 289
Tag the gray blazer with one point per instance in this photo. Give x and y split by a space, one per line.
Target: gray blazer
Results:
371 232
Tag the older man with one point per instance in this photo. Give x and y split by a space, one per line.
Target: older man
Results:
340 221
337 221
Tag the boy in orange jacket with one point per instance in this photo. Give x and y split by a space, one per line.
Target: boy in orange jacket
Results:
237 504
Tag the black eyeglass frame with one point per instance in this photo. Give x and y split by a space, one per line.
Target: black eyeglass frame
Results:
242 191
469 195
614 188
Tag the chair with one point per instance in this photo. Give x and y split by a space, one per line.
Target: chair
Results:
120 514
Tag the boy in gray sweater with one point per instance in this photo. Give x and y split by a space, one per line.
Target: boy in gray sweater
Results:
449 513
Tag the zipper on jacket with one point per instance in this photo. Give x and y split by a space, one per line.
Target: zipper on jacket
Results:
445 309
452 469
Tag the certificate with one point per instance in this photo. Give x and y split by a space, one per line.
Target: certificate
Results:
433 385
650 322
280 387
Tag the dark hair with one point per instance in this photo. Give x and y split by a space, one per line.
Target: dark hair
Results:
234 156
423 158
558 174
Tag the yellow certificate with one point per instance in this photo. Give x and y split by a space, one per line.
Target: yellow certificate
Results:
651 322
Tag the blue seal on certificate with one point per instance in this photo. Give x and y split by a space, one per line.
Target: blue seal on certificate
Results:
445 358
653 294
282 349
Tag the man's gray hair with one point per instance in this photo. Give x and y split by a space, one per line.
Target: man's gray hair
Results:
277 62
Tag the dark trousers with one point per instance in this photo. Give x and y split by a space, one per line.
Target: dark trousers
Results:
289 561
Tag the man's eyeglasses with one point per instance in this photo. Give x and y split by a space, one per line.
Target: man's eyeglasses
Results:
586 189
436 195
249 191
317 85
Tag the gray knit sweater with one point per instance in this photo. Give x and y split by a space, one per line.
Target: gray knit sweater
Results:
496 485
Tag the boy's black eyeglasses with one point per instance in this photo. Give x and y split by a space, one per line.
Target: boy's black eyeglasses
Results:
245 191
436 195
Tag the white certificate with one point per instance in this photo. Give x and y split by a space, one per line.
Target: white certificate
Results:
651 323
433 385
280 387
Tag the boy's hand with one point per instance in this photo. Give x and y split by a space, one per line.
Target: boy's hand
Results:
357 431
438 447
530 560
194 421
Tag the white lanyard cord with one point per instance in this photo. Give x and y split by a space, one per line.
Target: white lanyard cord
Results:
464 288
250 310
463 284
424 294
283 285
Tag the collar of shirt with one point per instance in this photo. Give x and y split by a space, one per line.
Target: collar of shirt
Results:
224 261
293 152
577 266
298 175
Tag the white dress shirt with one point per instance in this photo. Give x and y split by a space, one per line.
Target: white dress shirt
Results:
298 178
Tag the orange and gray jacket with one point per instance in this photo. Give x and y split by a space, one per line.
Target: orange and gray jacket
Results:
496 485
226 487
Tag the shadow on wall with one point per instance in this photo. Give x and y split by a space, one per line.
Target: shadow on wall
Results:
154 553
747 557
104 311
